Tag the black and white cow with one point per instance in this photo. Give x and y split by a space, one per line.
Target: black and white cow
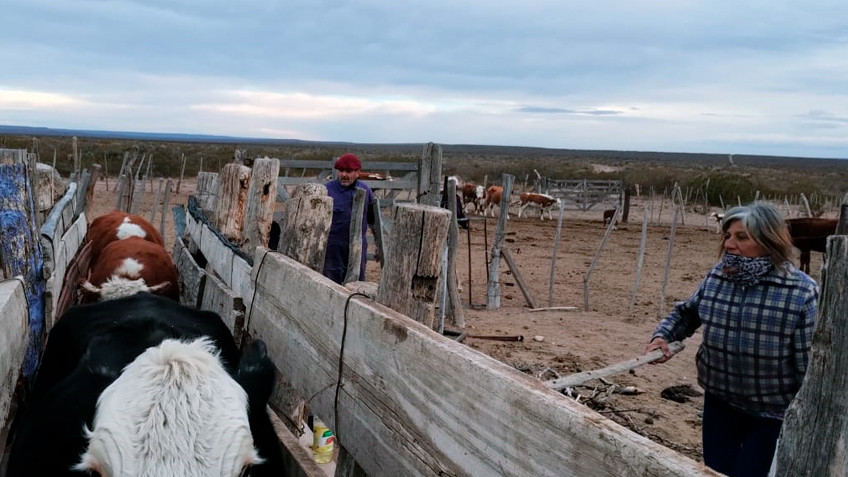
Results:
144 386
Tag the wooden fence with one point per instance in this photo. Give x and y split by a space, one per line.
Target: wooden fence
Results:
584 194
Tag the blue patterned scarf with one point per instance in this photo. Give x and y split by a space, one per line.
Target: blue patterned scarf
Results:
745 271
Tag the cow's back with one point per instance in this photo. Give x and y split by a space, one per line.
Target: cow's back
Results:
119 225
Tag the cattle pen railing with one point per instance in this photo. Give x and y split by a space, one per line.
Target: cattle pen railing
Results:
407 400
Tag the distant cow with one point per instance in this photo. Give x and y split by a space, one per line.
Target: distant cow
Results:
129 266
810 234
492 198
145 386
118 225
718 218
545 203
373 176
608 215
472 194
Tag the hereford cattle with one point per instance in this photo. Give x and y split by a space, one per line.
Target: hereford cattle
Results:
492 198
144 386
118 225
129 266
810 234
472 194
543 201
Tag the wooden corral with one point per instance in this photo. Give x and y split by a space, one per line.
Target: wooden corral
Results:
407 400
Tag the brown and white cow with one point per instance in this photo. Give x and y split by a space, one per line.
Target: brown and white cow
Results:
119 225
492 198
545 203
472 194
126 267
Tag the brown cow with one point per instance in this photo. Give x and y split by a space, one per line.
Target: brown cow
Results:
126 267
119 225
545 202
810 234
492 197
472 194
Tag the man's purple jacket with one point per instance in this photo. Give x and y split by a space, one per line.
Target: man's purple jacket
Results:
338 244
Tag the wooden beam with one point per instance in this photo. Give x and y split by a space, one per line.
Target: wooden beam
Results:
525 290
617 368
390 412
13 341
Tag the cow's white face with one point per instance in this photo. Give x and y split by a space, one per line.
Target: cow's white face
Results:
172 411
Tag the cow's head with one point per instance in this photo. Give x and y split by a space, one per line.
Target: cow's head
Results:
119 287
173 411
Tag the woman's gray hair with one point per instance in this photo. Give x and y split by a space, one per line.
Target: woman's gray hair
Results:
766 226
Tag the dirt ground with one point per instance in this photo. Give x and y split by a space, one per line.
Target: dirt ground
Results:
559 343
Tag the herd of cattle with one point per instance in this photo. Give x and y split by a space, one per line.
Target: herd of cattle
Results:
483 201
131 383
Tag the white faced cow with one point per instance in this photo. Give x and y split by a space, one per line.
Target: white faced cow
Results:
142 386
544 202
492 198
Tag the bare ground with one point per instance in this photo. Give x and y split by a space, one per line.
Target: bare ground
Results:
574 341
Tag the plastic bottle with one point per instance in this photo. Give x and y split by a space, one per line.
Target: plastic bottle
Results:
323 442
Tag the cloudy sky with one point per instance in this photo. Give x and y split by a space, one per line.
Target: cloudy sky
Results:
720 76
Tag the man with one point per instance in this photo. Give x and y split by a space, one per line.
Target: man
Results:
342 191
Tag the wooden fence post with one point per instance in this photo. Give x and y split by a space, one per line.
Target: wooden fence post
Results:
554 257
232 197
493 289
661 311
429 174
354 259
309 214
261 200
815 427
411 275
165 202
640 260
588 275
455 313
20 245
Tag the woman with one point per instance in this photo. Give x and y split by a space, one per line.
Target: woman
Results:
757 311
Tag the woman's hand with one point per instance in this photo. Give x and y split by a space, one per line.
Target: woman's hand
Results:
659 343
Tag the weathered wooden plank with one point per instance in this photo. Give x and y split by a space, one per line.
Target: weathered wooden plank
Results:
53 228
309 214
13 340
232 198
192 277
219 257
815 427
409 279
261 200
241 284
218 297
391 414
20 250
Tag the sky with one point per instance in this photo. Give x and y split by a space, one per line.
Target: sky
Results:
717 76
